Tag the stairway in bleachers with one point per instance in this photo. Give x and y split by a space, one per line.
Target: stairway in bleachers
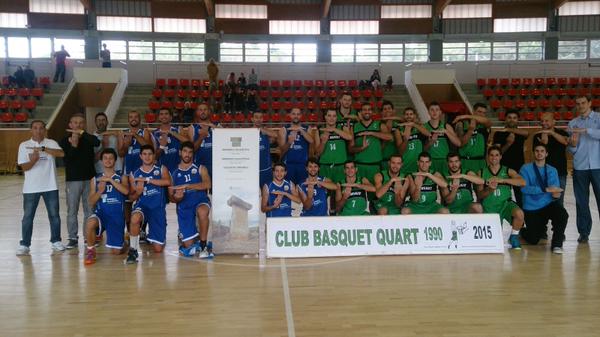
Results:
44 106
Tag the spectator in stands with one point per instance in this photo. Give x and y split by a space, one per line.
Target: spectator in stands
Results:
213 73
239 100
29 77
375 79
584 144
78 146
389 83
556 141
60 57
541 204
188 113
17 79
108 140
511 140
229 98
36 158
231 80
105 57
251 103
253 80
241 82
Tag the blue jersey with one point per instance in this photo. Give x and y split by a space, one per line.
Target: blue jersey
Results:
132 158
203 155
191 198
298 151
111 201
264 147
319 203
153 196
285 208
170 156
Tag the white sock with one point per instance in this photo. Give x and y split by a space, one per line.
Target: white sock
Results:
134 242
92 247
515 232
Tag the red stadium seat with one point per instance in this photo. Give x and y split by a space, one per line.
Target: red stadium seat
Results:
30 104
24 92
319 84
595 92
536 92
275 117
299 105
194 94
297 84
275 94
356 105
572 92
217 94
157 93
275 84
501 115
573 81
150 117
550 81
527 82
264 106
184 82
16 105
221 83
508 104
179 105
341 84
481 82
5 81
287 105
544 104
504 82
215 118
548 92
512 93
322 94
499 92
524 92
353 84
172 82
529 116
313 117
532 104
311 105
287 84
263 94
6 117
194 105
557 104
196 84
239 117
287 94
562 81
379 94
355 93
324 106
275 106
38 93
227 118
169 93
21 117
11 93
520 104
154 105
309 84
568 115
488 93
492 82
515 82
332 94
560 92
299 94
310 94
160 83
586 81
183 94
584 91
264 83
206 83
330 84
539 81
367 93
205 94
166 105
44 81
596 81
569 103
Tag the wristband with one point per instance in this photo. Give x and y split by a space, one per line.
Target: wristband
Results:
163 147
43 149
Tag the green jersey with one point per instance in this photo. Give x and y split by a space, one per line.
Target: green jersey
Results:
341 121
428 192
388 197
389 148
464 195
414 146
503 193
440 148
475 148
356 204
335 151
372 154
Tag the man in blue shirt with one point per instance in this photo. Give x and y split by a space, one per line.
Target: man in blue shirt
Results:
584 144
541 201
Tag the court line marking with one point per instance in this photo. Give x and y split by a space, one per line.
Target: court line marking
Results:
287 300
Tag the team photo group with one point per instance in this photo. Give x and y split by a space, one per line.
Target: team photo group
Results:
354 163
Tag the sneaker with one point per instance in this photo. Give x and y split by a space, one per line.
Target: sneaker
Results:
72 244
583 239
206 254
98 240
187 252
22 251
514 241
557 250
90 256
58 246
132 256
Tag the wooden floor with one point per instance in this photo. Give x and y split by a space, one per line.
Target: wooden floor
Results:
521 293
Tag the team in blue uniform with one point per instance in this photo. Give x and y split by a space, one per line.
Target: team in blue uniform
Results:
295 144
190 184
265 169
277 196
167 140
313 192
202 137
109 194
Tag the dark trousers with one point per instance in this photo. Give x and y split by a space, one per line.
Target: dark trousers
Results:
581 187
106 64
518 195
30 204
536 222
60 72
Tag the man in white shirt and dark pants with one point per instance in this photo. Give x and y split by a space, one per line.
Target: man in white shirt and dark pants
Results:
37 159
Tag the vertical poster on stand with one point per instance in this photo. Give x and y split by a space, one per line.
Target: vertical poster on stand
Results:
235 191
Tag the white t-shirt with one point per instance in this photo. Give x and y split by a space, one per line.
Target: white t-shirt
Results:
112 143
42 176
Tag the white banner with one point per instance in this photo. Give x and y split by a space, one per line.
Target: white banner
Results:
235 191
384 235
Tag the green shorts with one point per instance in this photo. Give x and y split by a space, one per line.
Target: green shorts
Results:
431 208
334 172
505 211
473 165
354 213
440 165
391 207
459 209
368 171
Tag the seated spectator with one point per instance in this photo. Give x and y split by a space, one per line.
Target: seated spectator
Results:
231 80
29 77
17 79
375 79
389 84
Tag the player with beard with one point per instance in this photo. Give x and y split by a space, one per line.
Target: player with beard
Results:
392 186
423 190
458 196
473 134
442 135
264 146
331 147
294 145
414 137
201 136
313 192
351 194
392 147
167 139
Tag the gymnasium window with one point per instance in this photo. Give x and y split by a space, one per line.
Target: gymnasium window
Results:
232 52
56 6
479 51
519 25
530 50
172 25
41 47
281 52
294 27
124 23
454 51
405 11
166 51
594 49
13 20
2 47
192 51
354 27
391 52
342 52
366 52
140 50
580 8
18 47
305 52
467 11
118 49
504 51
416 52
256 52
75 47
231 11
572 50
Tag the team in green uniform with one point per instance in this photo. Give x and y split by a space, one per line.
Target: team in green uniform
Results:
458 196
390 190
472 152
351 195
332 148
368 155
441 137
424 190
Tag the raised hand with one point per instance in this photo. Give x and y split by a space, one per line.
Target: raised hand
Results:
34 156
101 186
277 200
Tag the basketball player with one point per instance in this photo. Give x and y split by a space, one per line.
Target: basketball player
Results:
423 191
278 195
294 145
331 147
201 136
167 139
266 134
390 147
392 186
442 135
474 134
351 194
458 196
313 192
414 137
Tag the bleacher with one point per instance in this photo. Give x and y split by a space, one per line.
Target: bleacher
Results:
534 96
18 105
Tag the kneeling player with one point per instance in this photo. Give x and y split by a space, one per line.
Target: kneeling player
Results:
391 185
190 184
497 191
458 196
313 192
278 195
148 185
351 194
108 194
423 192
